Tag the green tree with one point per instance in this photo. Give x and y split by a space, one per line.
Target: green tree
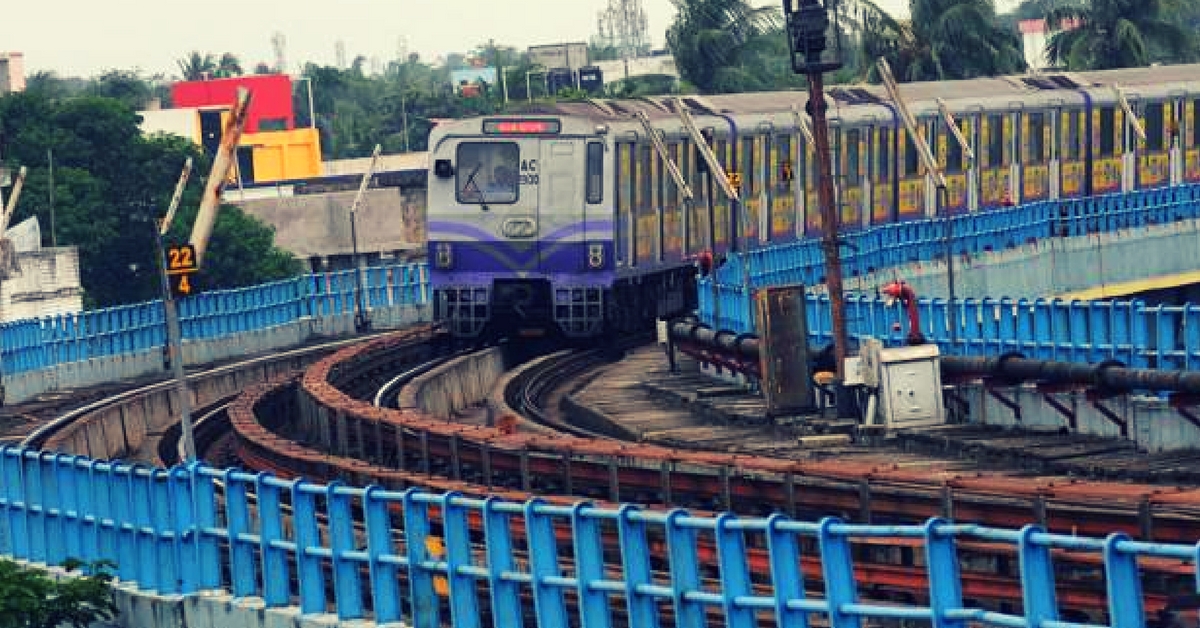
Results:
31 599
111 184
229 66
1119 34
944 40
125 86
196 66
723 46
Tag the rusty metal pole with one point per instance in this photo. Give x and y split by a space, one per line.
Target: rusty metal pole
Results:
830 240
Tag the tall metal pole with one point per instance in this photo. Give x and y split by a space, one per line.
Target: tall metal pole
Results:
171 313
50 162
361 321
206 216
830 240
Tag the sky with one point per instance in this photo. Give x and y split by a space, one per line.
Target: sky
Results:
88 37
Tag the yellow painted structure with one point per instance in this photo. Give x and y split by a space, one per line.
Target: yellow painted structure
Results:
1111 291
282 155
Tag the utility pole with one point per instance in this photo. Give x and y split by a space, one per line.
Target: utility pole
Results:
362 320
206 216
809 36
174 353
50 162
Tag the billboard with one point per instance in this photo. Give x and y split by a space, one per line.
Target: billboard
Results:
573 56
470 76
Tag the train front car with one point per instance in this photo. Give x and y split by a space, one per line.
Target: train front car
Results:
519 239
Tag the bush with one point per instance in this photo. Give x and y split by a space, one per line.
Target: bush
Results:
29 598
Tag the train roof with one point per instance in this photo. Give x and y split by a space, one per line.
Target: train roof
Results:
1047 87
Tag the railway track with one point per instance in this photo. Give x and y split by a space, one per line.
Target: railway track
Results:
402 448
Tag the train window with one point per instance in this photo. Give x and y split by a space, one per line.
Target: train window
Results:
747 164
786 165
595 172
1074 145
1037 137
1154 126
487 172
1195 120
954 152
995 154
885 155
911 161
1108 121
645 183
672 191
853 156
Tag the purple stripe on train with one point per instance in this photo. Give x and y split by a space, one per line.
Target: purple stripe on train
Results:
528 257
599 229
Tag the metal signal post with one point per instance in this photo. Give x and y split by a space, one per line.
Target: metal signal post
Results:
809 28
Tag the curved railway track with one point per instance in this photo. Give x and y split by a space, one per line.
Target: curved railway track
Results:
403 448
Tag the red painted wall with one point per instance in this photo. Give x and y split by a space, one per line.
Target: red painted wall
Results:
270 97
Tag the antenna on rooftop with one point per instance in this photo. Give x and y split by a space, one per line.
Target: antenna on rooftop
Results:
279 43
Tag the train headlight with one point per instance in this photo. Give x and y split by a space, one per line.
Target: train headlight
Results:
444 255
595 256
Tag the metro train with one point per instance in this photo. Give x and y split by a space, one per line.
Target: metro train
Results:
568 221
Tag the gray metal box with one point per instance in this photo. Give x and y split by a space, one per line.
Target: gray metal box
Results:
910 392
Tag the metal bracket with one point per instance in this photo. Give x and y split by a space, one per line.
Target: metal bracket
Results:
1180 402
1095 397
1046 390
1008 403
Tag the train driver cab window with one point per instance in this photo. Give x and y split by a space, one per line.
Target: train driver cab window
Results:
486 172
595 172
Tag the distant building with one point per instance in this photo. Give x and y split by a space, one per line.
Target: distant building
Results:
572 56
37 281
1035 35
271 148
12 72
616 70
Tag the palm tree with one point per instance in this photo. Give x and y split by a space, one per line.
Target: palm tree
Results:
196 66
721 45
229 66
945 39
1117 34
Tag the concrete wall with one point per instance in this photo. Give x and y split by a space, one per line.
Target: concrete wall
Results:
318 225
1054 267
1152 424
456 385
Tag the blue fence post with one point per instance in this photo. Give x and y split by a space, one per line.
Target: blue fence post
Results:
945 581
786 577
685 570
123 520
505 594
10 503
735 573
71 476
837 567
164 543
141 477
1124 584
548 602
207 548
589 568
34 504
183 523
52 508
275 576
1037 578
102 482
347 583
464 606
308 539
635 559
422 595
385 578
237 524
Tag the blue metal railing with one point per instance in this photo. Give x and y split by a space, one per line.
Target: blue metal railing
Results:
167 531
42 343
1161 336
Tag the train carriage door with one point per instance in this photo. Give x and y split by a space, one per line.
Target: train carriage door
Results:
560 214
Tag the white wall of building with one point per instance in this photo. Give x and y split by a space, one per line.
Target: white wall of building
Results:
615 70
45 281
12 72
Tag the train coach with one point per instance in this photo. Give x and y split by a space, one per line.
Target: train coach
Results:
570 220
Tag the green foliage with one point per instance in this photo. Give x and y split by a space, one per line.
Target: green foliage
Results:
944 40
725 46
31 599
1122 34
111 185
